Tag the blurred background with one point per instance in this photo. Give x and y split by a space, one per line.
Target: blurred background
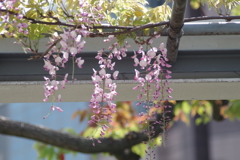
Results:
216 140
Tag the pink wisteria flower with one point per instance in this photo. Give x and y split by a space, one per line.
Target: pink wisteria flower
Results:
71 43
107 91
19 16
65 56
115 74
59 98
57 108
73 34
111 37
73 51
152 52
64 81
102 72
58 60
155 66
136 61
64 37
79 62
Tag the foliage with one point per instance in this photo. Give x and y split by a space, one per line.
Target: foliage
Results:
183 109
222 7
233 111
205 110
49 152
236 11
126 120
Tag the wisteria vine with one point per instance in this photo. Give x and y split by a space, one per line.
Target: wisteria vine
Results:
68 45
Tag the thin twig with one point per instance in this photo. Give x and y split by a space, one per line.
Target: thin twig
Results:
152 36
46 52
127 29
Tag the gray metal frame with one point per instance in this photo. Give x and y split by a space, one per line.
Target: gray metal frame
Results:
207 67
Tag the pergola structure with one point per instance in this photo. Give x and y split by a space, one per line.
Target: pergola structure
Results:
205 64
207 67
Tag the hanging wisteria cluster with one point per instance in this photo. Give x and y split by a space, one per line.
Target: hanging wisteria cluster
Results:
154 67
152 77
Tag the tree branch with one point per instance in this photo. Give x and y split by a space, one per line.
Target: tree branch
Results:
175 29
70 142
46 52
127 29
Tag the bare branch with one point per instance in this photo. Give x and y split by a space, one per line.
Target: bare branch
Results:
70 142
46 52
152 36
127 29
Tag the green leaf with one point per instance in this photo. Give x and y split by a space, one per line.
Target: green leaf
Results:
119 133
186 107
71 131
234 110
177 109
146 32
7 35
50 154
139 149
158 141
236 11
200 110
43 153
33 29
194 4
2 27
37 147
208 108
121 38
206 119
90 131
198 121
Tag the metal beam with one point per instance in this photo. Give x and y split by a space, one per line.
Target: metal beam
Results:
207 68
190 65
81 91
211 28
196 75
